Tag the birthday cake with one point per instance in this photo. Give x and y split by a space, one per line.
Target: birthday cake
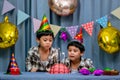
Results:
59 68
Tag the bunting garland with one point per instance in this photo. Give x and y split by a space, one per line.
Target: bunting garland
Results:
7 7
55 29
88 27
116 12
21 17
72 30
36 24
103 21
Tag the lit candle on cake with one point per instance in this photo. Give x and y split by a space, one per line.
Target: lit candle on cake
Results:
63 56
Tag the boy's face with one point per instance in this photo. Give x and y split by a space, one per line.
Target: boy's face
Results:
45 42
74 53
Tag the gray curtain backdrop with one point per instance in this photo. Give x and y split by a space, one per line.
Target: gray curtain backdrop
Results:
87 10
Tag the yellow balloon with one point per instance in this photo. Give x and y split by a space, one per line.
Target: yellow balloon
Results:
109 39
8 33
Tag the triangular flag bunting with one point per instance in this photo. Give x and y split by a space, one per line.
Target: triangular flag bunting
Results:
116 12
103 21
21 17
72 30
88 27
7 7
55 29
36 24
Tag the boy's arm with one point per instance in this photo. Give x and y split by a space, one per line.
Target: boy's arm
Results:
86 63
28 62
89 63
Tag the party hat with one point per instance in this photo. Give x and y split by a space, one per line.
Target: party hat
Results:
79 36
44 25
13 68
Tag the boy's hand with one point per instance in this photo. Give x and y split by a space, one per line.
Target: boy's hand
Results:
34 69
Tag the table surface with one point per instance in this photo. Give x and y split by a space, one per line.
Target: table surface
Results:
47 76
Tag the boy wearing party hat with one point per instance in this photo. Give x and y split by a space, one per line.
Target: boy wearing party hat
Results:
40 58
75 60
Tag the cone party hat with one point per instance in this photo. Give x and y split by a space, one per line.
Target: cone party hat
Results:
44 25
13 68
79 36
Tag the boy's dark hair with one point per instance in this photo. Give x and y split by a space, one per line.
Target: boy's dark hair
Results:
76 44
44 33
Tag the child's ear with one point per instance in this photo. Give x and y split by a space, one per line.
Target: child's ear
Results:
82 53
37 40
